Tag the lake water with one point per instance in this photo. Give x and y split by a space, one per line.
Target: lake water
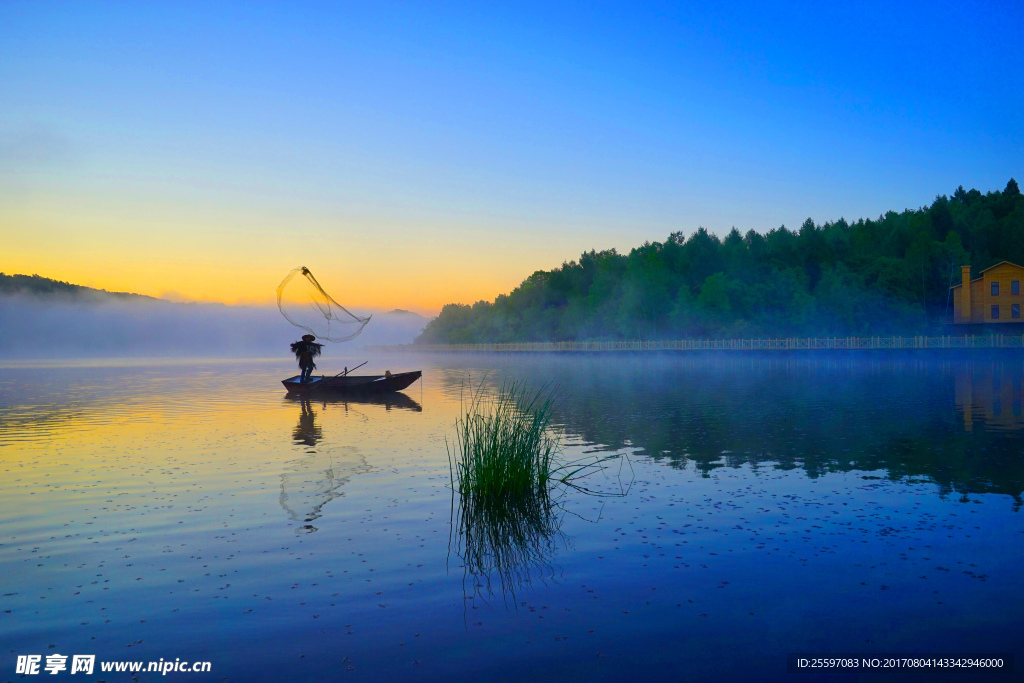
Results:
760 506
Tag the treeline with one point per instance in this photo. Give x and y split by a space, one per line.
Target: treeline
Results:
885 276
36 285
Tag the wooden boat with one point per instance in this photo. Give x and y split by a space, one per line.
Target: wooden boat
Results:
352 384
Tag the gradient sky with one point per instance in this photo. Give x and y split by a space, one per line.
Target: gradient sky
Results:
413 155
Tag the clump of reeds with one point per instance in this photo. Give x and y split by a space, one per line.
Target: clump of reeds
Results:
504 447
507 469
502 462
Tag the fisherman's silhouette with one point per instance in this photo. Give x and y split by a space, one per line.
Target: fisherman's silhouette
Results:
305 351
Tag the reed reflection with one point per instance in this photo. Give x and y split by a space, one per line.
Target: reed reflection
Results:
506 544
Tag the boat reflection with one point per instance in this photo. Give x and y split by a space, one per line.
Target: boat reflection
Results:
390 400
315 478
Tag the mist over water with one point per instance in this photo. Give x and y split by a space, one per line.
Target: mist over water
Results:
35 327
190 509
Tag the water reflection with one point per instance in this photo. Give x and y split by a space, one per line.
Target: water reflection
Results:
990 394
957 423
392 400
32 422
507 542
315 478
307 432
161 493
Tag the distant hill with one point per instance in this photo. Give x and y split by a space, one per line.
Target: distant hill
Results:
36 285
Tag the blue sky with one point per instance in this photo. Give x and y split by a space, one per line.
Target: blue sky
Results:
203 148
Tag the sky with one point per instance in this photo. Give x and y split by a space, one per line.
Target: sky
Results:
418 154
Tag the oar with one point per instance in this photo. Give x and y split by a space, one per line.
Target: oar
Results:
346 370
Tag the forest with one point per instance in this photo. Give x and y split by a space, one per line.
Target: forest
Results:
44 287
872 277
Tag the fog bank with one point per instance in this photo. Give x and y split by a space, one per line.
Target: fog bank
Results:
75 327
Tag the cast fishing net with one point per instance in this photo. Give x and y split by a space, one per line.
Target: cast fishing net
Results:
305 304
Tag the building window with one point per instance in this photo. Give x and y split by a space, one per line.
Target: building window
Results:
995 289
995 313
1015 311
1015 287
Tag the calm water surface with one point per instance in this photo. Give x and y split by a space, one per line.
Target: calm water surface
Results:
761 506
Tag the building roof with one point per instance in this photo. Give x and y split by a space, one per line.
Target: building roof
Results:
982 277
999 264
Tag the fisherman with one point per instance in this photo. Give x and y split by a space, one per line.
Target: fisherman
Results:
305 351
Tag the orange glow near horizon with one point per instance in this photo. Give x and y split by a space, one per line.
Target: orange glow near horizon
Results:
381 267
256 288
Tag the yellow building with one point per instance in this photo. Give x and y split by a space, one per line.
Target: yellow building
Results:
995 297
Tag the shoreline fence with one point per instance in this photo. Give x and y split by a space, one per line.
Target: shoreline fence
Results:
995 341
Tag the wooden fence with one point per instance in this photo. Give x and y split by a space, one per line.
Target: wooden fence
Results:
995 341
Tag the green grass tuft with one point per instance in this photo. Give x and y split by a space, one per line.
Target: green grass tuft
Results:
507 467
504 447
